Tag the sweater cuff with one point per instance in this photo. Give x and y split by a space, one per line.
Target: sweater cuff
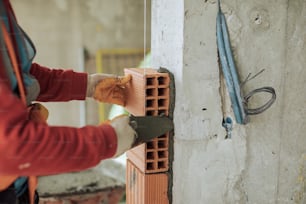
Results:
79 86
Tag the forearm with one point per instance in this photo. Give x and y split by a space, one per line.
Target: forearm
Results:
58 84
44 150
32 148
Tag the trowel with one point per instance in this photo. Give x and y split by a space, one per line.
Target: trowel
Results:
150 127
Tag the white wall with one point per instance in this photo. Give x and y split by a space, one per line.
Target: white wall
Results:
265 161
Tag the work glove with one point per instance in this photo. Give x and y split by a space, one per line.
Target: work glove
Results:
38 113
108 88
126 135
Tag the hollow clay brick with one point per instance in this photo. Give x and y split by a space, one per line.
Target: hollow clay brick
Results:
151 157
144 188
148 94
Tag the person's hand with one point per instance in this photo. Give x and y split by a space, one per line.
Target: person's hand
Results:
38 113
108 88
126 135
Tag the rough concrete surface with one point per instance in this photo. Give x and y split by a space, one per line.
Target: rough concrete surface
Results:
264 162
106 175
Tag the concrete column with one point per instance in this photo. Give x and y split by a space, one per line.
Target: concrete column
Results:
264 162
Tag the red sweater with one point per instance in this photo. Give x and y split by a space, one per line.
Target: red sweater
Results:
29 148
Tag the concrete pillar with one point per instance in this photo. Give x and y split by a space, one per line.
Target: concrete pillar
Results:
264 162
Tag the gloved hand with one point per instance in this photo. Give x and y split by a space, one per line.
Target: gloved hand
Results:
38 113
108 88
126 135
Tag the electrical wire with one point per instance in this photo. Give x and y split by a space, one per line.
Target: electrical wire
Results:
144 28
264 107
239 102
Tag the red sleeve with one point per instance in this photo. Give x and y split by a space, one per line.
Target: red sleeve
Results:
29 148
59 85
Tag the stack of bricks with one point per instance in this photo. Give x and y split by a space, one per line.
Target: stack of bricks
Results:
148 164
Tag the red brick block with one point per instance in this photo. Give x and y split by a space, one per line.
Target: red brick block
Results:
152 157
145 188
148 94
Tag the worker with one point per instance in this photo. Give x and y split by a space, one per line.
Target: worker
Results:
29 147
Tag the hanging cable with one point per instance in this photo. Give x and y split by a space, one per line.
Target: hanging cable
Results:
239 102
228 68
145 29
144 36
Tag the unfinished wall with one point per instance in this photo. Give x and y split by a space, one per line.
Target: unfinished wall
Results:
265 161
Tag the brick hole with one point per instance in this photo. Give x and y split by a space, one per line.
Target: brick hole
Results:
162 112
161 164
162 80
161 92
150 92
150 81
150 112
163 136
161 102
150 166
150 103
161 144
162 154
150 145
150 155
